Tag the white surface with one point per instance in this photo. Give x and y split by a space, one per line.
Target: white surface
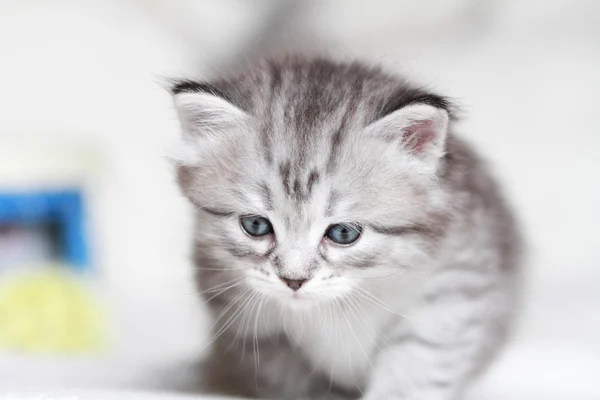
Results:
89 394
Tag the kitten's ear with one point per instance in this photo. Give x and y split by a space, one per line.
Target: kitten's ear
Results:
207 115
204 109
420 128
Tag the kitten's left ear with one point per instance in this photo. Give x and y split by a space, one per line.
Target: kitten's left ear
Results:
204 109
420 128
208 117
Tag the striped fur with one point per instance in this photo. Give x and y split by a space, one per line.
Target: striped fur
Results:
416 308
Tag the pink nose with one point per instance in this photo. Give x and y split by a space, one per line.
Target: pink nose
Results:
294 284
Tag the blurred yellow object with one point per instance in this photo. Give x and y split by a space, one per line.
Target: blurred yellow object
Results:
49 310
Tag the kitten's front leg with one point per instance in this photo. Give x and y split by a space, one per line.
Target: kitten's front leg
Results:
449 341
411 372
266 369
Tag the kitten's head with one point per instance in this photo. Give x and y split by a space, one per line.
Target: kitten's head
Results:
312 177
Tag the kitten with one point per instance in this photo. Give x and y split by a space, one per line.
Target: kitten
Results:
347 243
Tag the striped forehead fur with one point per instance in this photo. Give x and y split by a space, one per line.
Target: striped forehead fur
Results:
323 80
308 106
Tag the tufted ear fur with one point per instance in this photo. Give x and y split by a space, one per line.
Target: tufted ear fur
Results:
203 109
420 128
207 115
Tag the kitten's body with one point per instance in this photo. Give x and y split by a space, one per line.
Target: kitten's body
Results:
415 308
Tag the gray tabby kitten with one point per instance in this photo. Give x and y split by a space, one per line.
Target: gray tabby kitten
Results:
347 243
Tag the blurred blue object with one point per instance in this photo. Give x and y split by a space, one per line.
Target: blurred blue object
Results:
61 208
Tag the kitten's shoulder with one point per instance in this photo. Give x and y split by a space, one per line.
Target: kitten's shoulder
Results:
472 184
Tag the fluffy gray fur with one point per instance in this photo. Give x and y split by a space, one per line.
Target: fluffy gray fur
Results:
415 308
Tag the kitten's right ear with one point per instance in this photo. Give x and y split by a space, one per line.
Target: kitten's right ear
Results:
204 110
420 128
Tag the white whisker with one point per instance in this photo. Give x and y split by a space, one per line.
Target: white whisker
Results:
356 336
368 296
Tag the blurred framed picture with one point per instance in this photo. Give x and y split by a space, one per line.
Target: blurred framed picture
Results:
43 226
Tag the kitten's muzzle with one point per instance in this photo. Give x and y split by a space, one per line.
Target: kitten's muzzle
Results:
294 284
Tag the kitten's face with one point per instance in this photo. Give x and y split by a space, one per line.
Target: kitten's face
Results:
309 209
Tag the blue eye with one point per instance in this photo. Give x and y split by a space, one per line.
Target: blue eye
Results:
256 226
343 234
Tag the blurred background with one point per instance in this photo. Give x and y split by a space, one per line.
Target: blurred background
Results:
95 283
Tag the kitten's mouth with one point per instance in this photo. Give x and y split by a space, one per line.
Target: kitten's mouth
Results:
298 300
299 296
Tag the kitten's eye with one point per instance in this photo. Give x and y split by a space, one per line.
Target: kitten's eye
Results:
343 234
256 226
